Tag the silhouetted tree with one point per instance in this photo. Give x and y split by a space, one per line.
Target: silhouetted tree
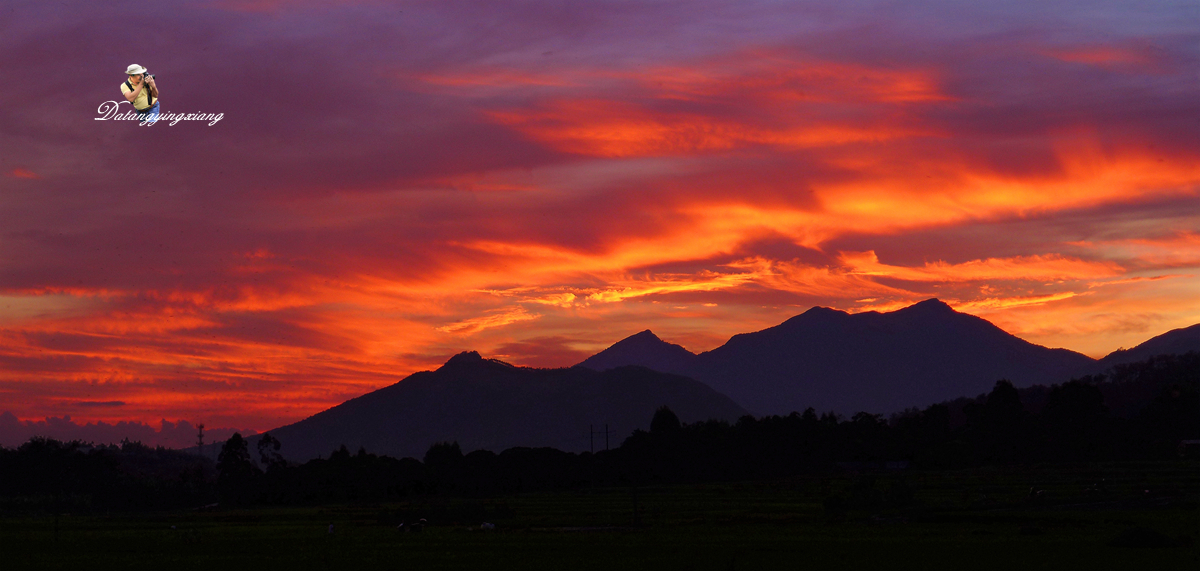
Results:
268 452
340 455
1004 403
809 416
443 454
1075 420
236 473
1178 407
1000 422
927 437
664 420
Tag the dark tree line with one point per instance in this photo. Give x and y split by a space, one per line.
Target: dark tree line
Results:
1158 404
45 474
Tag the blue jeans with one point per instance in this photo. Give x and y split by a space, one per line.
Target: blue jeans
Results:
149 115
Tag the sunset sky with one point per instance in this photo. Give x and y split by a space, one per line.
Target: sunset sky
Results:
395 182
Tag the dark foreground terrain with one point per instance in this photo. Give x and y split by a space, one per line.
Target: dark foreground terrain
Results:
1087 516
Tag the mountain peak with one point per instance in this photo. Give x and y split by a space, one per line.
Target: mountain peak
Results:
472 361
816 313
875 362
645 349
643 337
465 358
931 305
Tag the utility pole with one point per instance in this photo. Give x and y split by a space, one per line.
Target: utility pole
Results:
592 437
637 520
200 439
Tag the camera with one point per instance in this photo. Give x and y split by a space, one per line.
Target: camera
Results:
147 75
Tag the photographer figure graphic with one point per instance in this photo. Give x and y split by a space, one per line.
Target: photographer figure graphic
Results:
141 91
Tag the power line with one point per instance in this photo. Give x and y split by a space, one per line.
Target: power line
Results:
592 432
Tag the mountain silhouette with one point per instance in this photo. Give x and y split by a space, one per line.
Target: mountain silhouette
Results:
1174 342
489 404
644 349
874 362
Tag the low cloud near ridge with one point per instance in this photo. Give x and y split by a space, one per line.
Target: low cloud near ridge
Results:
182 434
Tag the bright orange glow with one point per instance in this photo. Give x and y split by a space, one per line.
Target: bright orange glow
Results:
1041 268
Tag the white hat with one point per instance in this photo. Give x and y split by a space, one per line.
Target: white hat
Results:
135 69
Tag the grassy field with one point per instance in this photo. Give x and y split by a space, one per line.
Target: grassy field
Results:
1096 516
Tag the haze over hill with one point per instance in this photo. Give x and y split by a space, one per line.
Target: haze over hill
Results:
874 362
488 404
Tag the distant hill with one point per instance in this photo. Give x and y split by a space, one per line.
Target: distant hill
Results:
874 362
1174 342
488 404
644 349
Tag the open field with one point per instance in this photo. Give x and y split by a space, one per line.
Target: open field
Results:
967 519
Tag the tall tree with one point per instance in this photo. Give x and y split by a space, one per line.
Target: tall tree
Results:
236 472
268 452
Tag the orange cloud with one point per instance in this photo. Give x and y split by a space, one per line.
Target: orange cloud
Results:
621 113
940 191
703 281
23 173
498 319
614 129
620 288
1100 55
1177 250
1104 319
1041 268
978 305
506 78
778 77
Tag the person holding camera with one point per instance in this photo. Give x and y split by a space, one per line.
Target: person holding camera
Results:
141 91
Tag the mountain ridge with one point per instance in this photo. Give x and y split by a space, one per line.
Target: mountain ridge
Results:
871 361
1173 342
